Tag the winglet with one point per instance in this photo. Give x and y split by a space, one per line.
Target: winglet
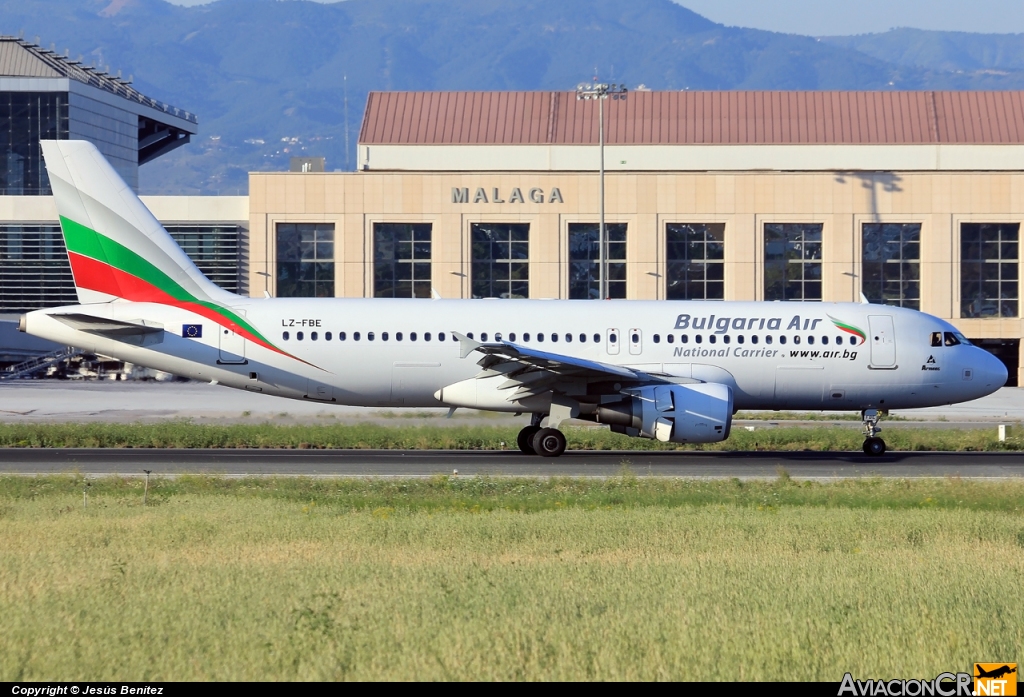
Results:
434 295
864 299
467 345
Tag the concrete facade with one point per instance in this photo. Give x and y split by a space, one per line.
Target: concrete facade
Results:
744 201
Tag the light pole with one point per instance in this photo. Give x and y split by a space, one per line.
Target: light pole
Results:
601 91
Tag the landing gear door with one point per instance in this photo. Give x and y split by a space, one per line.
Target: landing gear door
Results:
232 347
883 342
612 341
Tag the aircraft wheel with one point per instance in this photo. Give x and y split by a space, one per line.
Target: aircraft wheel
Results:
549 442
874 446
525 439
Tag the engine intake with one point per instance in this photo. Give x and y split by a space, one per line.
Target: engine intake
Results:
697 413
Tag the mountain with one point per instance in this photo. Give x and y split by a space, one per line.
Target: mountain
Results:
270 79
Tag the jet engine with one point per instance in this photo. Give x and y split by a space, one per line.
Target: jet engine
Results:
693 413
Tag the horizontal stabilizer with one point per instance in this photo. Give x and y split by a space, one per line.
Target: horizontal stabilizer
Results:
112 328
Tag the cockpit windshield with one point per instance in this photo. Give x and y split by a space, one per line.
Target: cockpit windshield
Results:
949 339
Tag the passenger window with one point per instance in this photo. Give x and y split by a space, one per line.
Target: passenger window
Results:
568 338
285 335
526 337
739 339
936 338
612 338
540 337
824 341
753 339
713 339
298 335
951 340
656 338
312 336
782 339
398 336
497 336
369 336
839 341
426 336
699 339
469 334
512 336
597 338
383 336
583 338
327 336
440 336
355 336
554 337
853 341
412 336
768 339
685 339
796 339
671 338
725 338
341 336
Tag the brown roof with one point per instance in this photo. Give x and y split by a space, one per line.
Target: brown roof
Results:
668 118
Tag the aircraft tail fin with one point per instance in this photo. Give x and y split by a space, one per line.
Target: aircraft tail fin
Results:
117 249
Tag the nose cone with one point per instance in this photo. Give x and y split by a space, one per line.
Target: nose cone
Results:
993 371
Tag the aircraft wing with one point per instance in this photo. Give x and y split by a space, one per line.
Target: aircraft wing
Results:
526 365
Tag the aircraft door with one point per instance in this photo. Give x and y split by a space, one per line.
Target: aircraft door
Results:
232 347
883 341
636 342
612 341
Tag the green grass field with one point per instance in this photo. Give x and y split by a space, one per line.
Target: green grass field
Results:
186 434
453 578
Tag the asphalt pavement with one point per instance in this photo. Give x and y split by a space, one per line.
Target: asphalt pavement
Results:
399 463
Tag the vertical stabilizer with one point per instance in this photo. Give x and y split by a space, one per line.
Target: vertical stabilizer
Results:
117 249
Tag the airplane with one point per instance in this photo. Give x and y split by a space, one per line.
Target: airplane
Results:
673 371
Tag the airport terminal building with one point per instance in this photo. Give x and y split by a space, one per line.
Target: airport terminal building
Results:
909 198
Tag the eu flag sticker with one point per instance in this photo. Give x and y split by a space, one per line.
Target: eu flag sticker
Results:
192 331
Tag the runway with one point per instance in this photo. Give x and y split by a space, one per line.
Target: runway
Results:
399 463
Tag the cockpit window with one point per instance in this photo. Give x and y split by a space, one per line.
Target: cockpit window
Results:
963 339
936 338
951 339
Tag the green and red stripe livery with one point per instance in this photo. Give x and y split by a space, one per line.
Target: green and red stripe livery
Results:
103 265
849 329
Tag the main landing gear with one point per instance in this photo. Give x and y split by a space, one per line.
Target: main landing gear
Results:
873 445
546 442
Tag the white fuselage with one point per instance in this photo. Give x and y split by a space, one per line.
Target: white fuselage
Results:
773 355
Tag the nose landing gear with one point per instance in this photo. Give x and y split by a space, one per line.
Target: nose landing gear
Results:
873 445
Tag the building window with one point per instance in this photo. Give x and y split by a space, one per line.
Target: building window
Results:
891 264
215 250
500 267
401 260
989 262
34 269
792 261
583 260
695 261
25 119
305 260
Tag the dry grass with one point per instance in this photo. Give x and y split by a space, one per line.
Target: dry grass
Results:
234 582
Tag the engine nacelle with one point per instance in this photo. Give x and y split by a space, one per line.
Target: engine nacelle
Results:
697 413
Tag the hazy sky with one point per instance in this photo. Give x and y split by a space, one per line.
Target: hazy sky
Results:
824 17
